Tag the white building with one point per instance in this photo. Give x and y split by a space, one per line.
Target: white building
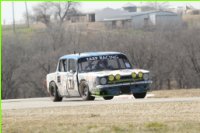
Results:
144 19
100 15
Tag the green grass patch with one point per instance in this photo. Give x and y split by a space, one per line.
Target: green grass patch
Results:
156 126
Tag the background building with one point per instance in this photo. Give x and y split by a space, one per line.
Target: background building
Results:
138 20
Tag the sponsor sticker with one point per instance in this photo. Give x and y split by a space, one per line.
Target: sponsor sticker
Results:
109 57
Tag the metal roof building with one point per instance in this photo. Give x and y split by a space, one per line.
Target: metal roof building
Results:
143 19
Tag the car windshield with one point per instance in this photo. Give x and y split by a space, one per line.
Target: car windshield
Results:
105 62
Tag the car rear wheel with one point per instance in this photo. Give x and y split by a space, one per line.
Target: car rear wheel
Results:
84 91
139 95
108 97
54 92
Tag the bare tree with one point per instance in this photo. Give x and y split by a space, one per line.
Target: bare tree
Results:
62 10
12 61
155 6
45 12
192 48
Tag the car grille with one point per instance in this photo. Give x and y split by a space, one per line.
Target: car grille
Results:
125 79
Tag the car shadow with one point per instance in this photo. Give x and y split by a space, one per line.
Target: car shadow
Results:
80 100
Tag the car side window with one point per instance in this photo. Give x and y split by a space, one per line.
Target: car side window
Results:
65 65
72 65
61 66
121 63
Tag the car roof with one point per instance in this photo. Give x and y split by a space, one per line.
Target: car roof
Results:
88 54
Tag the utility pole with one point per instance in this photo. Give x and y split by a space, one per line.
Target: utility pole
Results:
27 15
13 13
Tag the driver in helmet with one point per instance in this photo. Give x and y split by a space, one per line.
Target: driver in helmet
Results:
89 67
102 64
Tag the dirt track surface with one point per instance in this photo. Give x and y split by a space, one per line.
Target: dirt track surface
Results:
46 102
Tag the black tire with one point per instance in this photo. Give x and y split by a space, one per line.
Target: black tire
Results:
53 89
139 95
108 97
85 92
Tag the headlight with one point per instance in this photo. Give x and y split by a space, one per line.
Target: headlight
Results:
118 77
145 76
103 81
140 74
133 75
111 77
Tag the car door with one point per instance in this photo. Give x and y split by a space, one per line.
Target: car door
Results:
72 78
62 78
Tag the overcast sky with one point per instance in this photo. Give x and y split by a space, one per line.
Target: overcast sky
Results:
84 6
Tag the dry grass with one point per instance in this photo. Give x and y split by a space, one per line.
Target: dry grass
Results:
115 118
192 20
176 93
189 18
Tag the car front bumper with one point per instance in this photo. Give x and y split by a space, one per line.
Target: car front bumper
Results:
122 88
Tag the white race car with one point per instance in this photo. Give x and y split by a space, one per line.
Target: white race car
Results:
91 74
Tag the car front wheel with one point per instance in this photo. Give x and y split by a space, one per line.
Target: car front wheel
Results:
54 92
139 95
84 91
